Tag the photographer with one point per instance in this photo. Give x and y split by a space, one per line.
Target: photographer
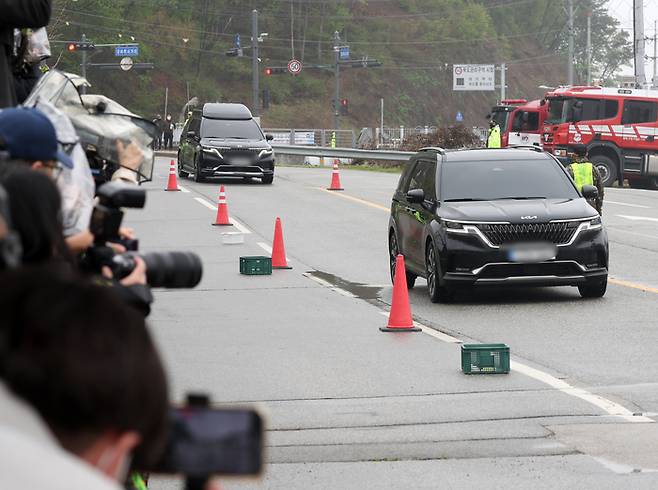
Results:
79 368
16 14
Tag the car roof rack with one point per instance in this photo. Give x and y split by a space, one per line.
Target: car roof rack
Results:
437 149
528 147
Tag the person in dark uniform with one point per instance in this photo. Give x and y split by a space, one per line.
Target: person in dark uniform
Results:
168 129
157 142
583 172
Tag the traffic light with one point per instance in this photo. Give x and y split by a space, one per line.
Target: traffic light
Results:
344 107
72 47
274 70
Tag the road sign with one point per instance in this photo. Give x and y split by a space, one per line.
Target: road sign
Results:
344 53
459 117
295 67
122 51
126 63
237 40
473 77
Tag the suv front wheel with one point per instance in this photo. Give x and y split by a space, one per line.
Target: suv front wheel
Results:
393 251
593 290
268 179
437 293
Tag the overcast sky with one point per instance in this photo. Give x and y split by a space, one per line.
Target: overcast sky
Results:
623 10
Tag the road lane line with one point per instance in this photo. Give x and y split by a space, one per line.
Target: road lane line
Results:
205 203
183 189
632 285
233 221
607 201
637 218
355 199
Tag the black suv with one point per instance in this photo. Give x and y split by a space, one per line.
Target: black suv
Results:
495 218
224 140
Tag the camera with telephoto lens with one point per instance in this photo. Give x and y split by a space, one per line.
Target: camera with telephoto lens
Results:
163 269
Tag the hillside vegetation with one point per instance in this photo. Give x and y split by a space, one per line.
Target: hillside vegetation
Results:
417 42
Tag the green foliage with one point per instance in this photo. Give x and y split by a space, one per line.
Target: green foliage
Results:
416 40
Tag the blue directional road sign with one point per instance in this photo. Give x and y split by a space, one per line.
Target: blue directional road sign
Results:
344 53
459 117
237 40
123 51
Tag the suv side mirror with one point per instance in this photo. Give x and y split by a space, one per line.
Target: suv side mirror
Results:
191 134
416 196
590 192
269 137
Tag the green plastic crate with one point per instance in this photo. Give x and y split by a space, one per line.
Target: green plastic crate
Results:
256 266
485 358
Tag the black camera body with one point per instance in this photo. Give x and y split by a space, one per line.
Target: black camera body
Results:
164 269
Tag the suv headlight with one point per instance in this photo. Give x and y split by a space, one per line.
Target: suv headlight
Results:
214 151
454 226
264 153
594 223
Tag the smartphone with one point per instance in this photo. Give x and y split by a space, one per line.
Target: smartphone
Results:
207 441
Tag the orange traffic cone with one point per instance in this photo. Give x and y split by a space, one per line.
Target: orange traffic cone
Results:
172 184
222 210
399 319
279 260
335 179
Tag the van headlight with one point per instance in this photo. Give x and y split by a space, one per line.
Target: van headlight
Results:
594 223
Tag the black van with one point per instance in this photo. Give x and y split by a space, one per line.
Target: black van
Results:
224 140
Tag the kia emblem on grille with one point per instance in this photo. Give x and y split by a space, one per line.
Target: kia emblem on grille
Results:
528 217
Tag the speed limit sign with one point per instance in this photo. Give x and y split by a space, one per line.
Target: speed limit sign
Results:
295 67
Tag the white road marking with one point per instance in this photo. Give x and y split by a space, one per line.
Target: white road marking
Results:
607 201
206 203
239 226
267 248
233 221
637 218
183 189
443 337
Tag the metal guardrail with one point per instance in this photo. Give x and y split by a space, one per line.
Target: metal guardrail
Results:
352 153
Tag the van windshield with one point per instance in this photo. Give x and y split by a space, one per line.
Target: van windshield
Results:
231 129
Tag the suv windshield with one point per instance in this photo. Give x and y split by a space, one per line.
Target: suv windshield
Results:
516 179
231 129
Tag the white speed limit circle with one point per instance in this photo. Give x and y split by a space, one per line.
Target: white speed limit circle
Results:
295 67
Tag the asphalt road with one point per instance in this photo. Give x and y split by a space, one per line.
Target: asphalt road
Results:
350 407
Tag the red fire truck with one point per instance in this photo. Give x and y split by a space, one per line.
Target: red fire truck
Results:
521 122
618 126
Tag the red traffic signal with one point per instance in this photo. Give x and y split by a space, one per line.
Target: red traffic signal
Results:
274 70
71 47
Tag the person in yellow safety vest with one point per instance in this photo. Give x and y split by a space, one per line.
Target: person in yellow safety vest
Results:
493 139
583 172
333 139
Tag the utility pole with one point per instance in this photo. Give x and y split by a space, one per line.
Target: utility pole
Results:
655 54
254 63
337 75
638 44
589 48
83 88
381 121
503 68
571 34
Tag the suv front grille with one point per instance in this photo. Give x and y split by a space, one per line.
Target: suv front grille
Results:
241 153
556 233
